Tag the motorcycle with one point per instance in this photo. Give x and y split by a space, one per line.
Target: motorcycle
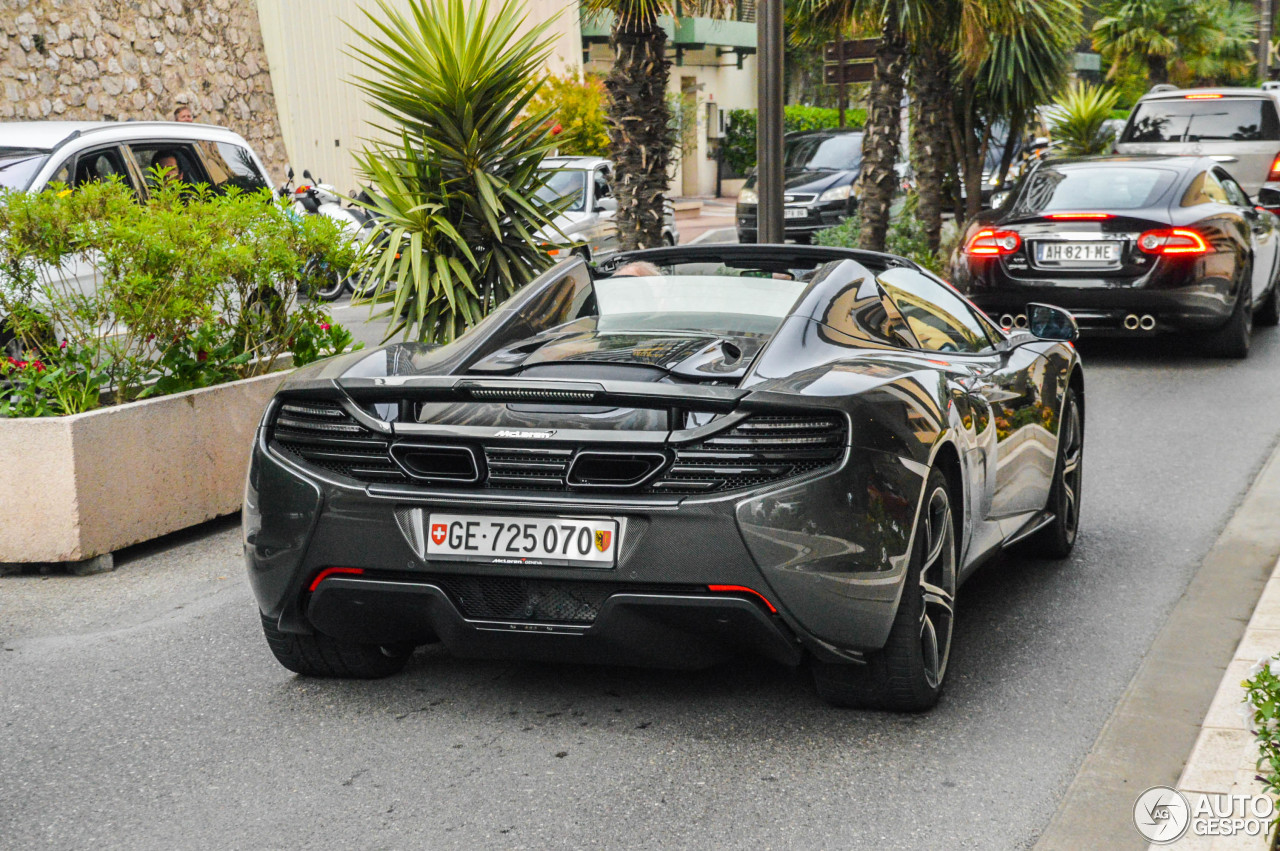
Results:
314 198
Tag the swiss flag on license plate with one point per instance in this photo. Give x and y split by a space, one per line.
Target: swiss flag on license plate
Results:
438 533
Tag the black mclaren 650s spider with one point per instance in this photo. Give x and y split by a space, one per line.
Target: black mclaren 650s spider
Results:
791 451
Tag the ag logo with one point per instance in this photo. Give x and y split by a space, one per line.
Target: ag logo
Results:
1161 815
602 540
438 533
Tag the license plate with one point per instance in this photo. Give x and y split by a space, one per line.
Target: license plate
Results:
794 212
526 541
1084 253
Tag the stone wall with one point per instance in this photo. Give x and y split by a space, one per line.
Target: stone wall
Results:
122 59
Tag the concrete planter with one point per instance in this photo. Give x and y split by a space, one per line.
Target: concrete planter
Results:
83 486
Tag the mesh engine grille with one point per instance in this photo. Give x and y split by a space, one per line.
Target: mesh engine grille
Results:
760 450
511 599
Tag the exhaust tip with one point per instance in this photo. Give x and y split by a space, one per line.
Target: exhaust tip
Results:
1131 322
1020 321
1147 322
1006 321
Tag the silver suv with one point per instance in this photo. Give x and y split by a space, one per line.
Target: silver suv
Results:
1239 128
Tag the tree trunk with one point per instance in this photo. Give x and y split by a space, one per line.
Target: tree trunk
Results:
880 144
930 135
640 138
1017 123
1157 69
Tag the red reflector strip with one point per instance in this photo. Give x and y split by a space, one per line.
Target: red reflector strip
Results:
742 589
331 571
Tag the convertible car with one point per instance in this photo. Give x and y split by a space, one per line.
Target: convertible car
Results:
695 452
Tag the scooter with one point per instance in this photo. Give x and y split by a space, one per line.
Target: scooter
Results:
320 199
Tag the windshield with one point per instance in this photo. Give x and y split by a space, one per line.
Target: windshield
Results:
565 183
1203 120
695 303
19 165
1099 188
839 152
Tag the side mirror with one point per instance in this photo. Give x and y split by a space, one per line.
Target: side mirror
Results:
998 199
289 173
308 176
1269 197
1047 322
606 205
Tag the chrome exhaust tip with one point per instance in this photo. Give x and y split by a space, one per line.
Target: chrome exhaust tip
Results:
1147 322
1131 322
1006 321
1020 321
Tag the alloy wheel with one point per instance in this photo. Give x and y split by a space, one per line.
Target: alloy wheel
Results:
1072 455
937 587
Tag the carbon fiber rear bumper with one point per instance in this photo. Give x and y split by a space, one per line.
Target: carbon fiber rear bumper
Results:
668 630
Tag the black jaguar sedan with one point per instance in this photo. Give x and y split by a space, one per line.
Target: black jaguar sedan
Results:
1131 246
793 452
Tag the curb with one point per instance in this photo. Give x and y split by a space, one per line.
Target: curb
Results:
1222 762
1153 734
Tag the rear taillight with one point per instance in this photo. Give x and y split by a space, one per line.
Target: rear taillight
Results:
989 242
1173 241
1274 173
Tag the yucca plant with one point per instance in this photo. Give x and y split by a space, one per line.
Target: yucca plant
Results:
1078 124
458 194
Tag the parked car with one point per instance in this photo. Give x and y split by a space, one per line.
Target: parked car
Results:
1131 245
1238 127
35 154
821 167
589 218
784 450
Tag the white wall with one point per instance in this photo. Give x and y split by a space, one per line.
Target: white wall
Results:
323 117
720 82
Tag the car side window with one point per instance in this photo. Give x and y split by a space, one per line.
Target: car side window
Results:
861 312
1237 195
1205 189
178 157
939 319
602 188
231 166
101 164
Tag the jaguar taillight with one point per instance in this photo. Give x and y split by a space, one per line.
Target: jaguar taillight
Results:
990 242
1173 241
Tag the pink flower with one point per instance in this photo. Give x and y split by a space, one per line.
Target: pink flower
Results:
39 365
202 356
324 326
63 345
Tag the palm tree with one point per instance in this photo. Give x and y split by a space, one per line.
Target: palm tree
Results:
1153 31
640 128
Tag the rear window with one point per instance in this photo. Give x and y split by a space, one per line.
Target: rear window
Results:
19 165
1102 188
1204 120
695 303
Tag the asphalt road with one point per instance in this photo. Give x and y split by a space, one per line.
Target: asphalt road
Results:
141 708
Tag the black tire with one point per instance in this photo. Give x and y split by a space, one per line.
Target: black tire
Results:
1232 339
668 240
1268 313
908 673
321 656
1058 538
331 284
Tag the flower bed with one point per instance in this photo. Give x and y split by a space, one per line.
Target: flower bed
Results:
141 341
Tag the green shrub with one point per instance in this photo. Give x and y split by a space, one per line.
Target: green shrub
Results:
1078 125
906 236
739 145
458 194
1261 711
576 103
192 288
